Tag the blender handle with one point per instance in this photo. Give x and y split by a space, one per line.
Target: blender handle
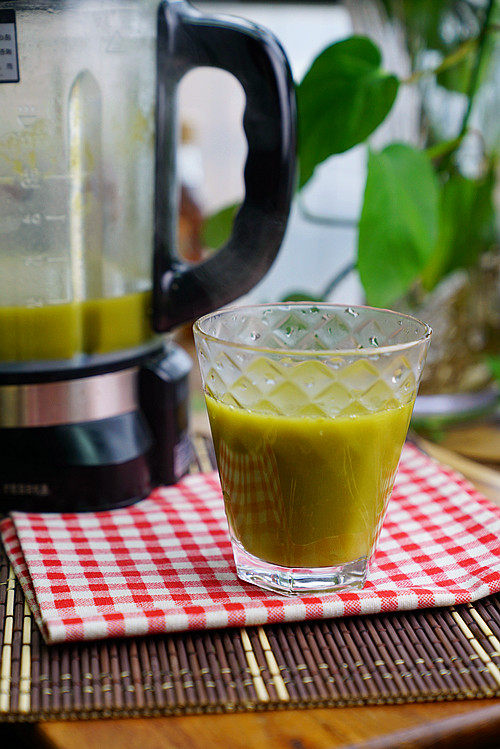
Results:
188 39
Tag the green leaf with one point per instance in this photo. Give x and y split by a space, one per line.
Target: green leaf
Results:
399 222
423 19
466 226
302 296
493 363
343 97
457 77
217 227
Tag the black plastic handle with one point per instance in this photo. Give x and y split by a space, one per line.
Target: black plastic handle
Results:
187 39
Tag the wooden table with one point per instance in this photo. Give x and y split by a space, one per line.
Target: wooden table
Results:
464 724
441 724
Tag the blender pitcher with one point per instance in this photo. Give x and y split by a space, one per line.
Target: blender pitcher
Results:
92 399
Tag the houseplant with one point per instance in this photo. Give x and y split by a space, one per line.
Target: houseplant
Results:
427 240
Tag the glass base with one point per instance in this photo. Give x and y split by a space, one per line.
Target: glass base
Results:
298 581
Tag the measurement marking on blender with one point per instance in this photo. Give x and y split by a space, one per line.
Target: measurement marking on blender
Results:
30 182
43 259
27 120
55 176
55 218
32 218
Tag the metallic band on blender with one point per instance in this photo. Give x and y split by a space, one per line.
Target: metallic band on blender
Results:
69 401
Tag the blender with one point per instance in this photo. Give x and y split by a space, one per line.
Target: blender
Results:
93 399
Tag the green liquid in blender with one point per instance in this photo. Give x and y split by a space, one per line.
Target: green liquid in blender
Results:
307 491
61 331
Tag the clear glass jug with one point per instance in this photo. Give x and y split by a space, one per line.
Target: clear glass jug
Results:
88 196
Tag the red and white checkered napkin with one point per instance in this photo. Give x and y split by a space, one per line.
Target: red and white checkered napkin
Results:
165 564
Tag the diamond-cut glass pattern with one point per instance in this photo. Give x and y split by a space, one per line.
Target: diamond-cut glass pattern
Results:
307 360
264 374
312 377
334 399
359 376
245 393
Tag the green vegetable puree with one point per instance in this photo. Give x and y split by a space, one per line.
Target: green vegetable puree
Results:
61 331
307 491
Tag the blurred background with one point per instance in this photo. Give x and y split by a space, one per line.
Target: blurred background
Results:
211 105
397 194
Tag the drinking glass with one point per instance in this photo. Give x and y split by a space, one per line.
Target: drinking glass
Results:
309 406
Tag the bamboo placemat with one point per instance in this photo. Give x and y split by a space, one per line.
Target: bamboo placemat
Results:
426 655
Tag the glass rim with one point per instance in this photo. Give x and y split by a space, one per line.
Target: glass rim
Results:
376 351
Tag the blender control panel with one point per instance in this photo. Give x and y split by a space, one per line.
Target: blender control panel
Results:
9 65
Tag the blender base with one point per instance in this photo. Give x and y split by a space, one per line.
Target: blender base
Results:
75 444
96 465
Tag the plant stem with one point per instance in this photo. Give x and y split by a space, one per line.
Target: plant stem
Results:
448 62
337 279
443 148
473 81
476 69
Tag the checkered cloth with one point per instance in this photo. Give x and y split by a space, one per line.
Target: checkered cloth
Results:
165 564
